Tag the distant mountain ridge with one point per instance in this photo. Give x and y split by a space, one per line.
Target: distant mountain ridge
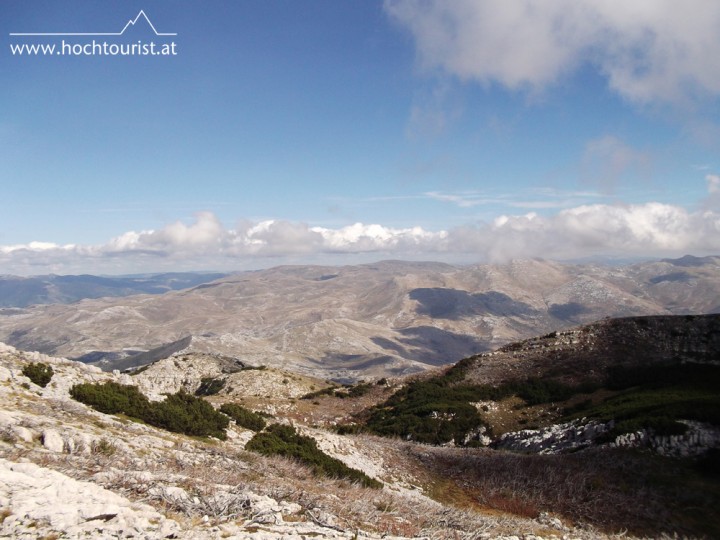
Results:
372 320
16 291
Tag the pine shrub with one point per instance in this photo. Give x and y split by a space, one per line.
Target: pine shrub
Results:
281 440
39 373
180 412
243 417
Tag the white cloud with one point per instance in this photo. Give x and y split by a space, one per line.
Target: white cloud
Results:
650 51
642 230
376 238
463 200
539 199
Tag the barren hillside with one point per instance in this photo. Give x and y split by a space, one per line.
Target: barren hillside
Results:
384 319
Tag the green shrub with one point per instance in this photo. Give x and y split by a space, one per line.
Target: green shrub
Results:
243 417
209 386
180 412
39 373
329 391
359 390
439 410
535 391
660 425
184 413
656 396
350 429
112 398
280 440
428 412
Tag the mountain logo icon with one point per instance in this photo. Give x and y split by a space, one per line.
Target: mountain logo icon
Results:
131 23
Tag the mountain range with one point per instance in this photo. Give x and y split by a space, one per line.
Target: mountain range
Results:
346 323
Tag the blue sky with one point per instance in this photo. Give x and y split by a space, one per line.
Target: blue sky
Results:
332 132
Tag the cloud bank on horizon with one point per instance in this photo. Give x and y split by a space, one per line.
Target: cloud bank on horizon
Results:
642 230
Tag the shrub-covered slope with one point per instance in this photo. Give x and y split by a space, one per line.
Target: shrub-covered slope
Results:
646 372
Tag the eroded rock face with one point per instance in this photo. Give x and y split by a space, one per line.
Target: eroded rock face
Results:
698 439
554 439
560 438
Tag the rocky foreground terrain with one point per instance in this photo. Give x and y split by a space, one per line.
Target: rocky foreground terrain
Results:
347 323
68 471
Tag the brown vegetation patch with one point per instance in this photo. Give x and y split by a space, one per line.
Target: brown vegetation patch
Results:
614 490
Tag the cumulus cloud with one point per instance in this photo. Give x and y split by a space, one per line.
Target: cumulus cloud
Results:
650 229
649 51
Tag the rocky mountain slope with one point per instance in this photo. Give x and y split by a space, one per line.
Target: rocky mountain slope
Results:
385 319
586 353
67 470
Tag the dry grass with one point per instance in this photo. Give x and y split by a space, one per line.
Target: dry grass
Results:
612 490
482 491
219 481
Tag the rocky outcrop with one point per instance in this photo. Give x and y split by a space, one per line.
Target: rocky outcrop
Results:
559 438
42 502
554 439
697 440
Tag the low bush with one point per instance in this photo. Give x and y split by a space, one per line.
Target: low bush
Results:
439 410
347 391
428 412
657 396
112 398
329 391
281 440
350 429
243 417
184 413
359 390
180 412
209 386
39 373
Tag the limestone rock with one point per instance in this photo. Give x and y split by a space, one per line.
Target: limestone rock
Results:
53 441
